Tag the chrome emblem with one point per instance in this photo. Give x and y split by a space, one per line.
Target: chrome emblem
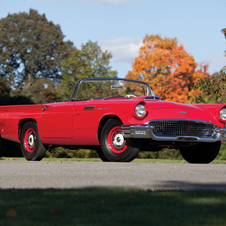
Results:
183 112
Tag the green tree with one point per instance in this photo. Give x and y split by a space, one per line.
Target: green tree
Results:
42 91
213 89
89 62
224 33
4 87
31 47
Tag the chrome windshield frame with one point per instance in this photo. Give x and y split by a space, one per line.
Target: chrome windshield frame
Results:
76 87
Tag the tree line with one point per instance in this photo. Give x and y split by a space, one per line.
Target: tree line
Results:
36 62
37 65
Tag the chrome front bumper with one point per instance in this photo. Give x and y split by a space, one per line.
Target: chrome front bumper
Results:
146 131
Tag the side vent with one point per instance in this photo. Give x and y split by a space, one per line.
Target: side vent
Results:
88 108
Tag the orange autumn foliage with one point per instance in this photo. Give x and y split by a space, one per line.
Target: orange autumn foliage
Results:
169 70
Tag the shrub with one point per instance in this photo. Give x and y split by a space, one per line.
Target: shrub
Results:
62 152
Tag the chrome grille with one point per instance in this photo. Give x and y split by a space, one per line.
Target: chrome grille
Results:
172 128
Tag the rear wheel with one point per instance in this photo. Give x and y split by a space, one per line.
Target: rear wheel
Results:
115 147
30 143
201 153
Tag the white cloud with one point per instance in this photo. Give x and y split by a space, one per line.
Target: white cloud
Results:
122 49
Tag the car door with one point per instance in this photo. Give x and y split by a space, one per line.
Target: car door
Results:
86 122
57 120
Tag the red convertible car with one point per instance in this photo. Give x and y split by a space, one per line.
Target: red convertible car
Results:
118 118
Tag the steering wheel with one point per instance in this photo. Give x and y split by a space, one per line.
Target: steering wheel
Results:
130 96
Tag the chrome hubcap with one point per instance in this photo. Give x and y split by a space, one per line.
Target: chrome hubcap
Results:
118 140
31 140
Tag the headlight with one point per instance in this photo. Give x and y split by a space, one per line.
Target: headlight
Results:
222 113
140 110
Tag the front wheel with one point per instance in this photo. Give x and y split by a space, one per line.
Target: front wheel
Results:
30 143
201 153
102 156
115 147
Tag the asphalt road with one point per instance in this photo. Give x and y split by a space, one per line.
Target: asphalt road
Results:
82 175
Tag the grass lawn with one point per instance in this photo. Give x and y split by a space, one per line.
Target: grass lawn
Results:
111 207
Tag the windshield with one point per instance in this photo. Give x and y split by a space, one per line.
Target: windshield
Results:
115 88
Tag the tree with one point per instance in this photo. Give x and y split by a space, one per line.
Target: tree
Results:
31 47
224 33
170 71
89 62
4 87
213 88
42 91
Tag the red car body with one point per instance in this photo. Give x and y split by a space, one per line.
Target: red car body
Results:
81 123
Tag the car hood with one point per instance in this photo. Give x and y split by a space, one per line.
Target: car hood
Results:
170 110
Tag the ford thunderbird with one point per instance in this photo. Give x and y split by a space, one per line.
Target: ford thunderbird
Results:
118 118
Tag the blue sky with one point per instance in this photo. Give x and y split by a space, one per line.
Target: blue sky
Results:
119 26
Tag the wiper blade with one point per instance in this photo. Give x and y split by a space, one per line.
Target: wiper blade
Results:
86 99
80 99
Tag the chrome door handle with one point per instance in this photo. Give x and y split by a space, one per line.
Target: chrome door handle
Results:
45 108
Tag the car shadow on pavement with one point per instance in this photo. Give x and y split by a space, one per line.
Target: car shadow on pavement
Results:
188 186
